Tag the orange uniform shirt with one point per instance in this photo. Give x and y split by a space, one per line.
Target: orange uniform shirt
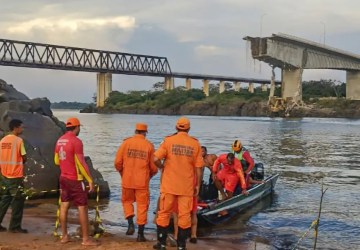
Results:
135 162
11 151
182 154
234 168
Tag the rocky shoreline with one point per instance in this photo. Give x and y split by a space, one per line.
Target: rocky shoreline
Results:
41 131
255 109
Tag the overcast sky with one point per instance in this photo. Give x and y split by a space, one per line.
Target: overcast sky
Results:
197 36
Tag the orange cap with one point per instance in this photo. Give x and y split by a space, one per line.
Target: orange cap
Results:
141 127
183 123
72 122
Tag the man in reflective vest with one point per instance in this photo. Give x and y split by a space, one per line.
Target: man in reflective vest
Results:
243 155
135 162
12 159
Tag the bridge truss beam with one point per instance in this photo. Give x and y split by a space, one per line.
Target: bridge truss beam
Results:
37 55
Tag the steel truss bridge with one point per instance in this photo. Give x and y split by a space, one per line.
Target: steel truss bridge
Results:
47 56
38 55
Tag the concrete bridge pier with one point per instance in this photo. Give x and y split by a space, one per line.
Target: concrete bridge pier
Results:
291 84
169 83
353 85
206 87
104 87
264 87
237 86
221 87
188 83
251 87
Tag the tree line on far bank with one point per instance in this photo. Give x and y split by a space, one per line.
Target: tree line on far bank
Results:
312 91
323 92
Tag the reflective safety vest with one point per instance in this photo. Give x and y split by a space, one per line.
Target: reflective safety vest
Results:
239 156
11 152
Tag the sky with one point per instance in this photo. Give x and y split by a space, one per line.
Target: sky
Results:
196 36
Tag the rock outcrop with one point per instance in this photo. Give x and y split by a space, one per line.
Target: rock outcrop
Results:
41 131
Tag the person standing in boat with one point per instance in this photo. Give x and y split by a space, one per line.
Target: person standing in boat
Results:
228 177
209 160
135 162
182 163
208 191
247 162
241 153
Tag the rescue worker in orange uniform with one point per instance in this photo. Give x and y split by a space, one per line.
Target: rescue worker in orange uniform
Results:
69 155
12 159
228 177
135 162
193 237
183 163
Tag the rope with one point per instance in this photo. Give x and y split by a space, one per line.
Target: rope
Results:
98 220
313 224
57 222
30 192
97 215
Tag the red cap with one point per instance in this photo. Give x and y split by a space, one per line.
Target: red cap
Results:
72 122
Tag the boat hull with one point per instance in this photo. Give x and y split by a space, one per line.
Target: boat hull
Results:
236 204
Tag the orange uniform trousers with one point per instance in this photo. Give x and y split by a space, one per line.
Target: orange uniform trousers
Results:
166 207
142 199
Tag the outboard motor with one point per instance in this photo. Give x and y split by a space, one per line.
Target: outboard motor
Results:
208 191
258 172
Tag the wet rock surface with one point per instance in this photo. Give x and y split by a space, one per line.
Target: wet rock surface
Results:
41 131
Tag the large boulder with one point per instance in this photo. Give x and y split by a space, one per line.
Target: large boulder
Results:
41 131
8 93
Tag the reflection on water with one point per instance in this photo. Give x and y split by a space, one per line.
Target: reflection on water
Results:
305 152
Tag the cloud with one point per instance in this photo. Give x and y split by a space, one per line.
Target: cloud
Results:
203 36
73 25
209 50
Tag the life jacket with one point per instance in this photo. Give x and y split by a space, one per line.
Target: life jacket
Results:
239 156
11 160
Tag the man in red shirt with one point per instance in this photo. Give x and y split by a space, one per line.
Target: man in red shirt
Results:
228 177
69 154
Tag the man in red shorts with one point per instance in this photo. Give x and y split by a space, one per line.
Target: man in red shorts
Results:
228 177
69 155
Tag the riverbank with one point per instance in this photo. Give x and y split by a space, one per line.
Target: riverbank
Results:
39 219
326 108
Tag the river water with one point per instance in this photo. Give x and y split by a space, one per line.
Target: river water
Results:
305 152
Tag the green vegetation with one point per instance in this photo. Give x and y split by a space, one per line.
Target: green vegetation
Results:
179 96
323 88
68 105
157 98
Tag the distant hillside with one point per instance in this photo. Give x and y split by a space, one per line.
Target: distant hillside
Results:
69 105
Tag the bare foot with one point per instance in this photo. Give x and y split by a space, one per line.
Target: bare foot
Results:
90 242
65 239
